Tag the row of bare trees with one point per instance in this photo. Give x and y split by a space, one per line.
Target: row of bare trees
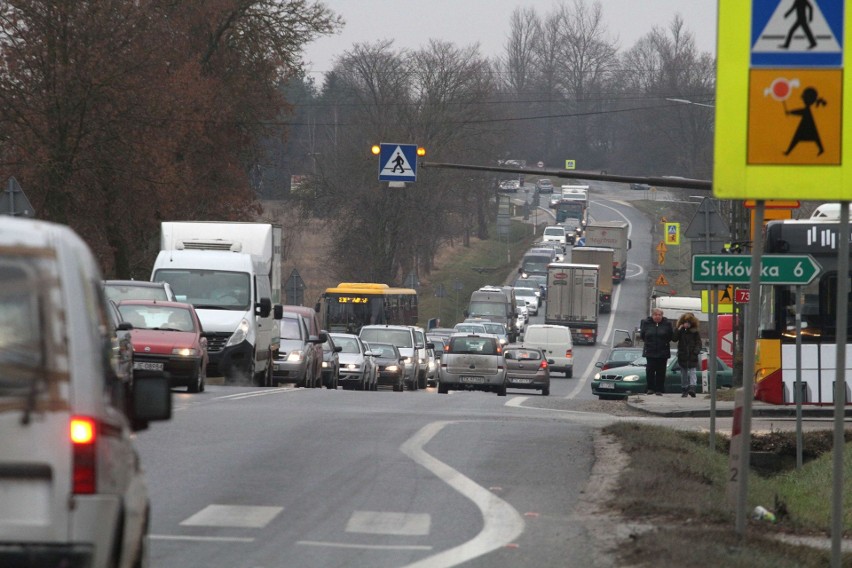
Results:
117 114
563 89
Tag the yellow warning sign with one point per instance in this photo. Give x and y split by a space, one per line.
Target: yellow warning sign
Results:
795 116
661 280
673 233
725 304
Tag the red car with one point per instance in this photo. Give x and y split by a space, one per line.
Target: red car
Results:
167 341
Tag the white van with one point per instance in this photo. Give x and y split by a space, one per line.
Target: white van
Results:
555 234
71 488
555 341
827 211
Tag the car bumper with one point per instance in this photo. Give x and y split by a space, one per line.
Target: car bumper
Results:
618 388
180 371
385 378
527 382
289 371
474 381
231 362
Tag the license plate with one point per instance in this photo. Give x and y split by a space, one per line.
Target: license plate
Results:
145 366
472 379
521 381
610 386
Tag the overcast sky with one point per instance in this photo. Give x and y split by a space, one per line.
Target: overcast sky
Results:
463 22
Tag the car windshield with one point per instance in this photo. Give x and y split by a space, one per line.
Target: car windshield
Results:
495 328
152 316
624 355
209 289
398 337
487 309
472 346
290 328
347 344
118 292
383 351
471 328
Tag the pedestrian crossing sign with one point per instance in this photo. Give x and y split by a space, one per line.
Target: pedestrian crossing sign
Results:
398 162
781 101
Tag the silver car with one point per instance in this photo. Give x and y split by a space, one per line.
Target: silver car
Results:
357 366
473 361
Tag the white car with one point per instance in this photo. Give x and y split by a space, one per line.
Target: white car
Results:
532 298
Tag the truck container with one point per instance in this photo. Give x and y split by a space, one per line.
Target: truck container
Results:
572 299
231 273
614 235
603 257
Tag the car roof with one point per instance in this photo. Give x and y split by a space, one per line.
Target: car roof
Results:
164 303
139 283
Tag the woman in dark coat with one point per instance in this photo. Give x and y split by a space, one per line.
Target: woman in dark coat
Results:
656 333
688 347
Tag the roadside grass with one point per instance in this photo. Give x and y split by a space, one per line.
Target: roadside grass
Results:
676 484
465 269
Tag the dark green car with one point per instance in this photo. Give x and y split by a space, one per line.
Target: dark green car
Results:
621 382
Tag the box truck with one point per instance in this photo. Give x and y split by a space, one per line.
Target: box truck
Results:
573 298
612 234
231 273
603 257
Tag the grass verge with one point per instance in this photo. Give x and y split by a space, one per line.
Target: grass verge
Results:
686 505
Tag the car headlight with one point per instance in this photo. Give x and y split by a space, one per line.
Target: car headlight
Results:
294 356
422 361
325 365
408 361
352 367
239 334
597 377
630 378
392 368
185 351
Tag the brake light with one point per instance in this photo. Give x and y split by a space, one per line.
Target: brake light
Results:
543 364
569 353
83 437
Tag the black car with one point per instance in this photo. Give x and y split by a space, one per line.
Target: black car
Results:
390 369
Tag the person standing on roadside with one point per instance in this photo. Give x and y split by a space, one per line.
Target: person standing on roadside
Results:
688 347
656 333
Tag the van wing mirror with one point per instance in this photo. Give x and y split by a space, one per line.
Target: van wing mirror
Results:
152 401
264 307
278 312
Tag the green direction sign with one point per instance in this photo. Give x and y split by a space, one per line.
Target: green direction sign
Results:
735 269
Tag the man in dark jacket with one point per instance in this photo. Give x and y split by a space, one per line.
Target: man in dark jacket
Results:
656 333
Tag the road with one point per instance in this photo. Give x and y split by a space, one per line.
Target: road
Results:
245 477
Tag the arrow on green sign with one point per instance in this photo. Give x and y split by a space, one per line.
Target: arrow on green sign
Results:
796 270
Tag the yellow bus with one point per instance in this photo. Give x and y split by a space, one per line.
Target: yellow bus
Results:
348 306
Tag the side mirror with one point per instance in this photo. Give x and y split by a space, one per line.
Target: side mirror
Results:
152 401
466 313
599 364
430 346
278 312
338 348
323 337
264 307
124 326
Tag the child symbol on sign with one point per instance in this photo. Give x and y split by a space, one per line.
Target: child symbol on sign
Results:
807 130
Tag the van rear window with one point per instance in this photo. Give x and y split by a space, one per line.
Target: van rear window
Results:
22 351
398 337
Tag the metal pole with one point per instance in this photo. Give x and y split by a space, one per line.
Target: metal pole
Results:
711 364
798 394
840 386
748 371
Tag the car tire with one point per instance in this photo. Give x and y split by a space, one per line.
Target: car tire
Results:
443 389
421 382
501 391
195 381
399 387
569 374
545 391
362 384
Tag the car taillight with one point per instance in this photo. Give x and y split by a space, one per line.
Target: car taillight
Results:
569 353
83 437
543 364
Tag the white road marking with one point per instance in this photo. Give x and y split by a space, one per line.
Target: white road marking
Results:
362 546
581 382
238 516
242 395
376 522
501 523
199 538
516 401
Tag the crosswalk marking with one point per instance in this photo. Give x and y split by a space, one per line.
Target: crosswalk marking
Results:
236 516
372 522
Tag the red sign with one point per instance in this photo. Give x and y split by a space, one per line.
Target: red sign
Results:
741 295
560 275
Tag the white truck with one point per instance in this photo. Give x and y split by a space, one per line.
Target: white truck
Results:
614 235
573 299
231 273
603 257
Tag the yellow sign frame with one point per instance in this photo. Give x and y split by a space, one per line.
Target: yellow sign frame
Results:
733 176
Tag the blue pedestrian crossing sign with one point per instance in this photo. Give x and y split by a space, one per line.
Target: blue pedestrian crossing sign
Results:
398 162
797 33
